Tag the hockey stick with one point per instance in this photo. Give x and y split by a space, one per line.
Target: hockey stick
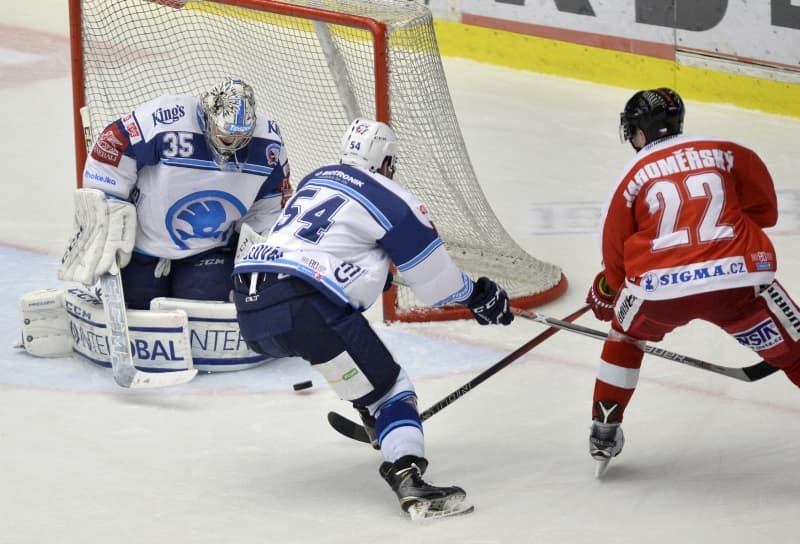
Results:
751 373
353 430
122 367
124 371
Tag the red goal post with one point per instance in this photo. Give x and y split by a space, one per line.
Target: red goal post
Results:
315 65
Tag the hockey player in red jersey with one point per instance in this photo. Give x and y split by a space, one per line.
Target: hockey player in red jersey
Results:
682 239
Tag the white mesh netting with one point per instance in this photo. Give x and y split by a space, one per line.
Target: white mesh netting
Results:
314 78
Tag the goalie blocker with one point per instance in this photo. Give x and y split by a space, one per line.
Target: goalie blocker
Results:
175 334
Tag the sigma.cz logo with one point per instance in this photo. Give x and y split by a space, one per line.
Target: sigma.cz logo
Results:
761 337
652 281
168 116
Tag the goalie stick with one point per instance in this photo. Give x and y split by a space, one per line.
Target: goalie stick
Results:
124 371
122 367
751 373
353 430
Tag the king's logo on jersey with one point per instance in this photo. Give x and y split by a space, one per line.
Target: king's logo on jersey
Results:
272 126
168 116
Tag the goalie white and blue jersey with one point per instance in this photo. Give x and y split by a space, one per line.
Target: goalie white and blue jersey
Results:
342 229
158 158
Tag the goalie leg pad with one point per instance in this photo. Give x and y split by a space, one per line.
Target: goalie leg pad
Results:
216 342
45 326
59 322
159 339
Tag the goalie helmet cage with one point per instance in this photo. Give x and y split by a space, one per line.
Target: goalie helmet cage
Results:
315 65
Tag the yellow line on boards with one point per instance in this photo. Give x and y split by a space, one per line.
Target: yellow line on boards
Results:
617 68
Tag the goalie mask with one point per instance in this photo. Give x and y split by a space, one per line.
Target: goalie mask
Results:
658 113
227 115
368 144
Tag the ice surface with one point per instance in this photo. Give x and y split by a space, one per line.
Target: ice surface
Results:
240 458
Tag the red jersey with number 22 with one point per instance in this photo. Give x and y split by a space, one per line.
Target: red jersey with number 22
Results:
687 217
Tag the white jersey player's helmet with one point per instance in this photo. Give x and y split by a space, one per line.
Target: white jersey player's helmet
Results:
368 144
227 114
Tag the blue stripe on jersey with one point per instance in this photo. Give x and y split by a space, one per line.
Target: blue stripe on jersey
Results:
410 242
109 196
191 163
421 256
461 295
355 195
247 168
266 190
268 194
257 169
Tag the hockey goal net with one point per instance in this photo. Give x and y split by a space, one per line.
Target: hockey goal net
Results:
315 65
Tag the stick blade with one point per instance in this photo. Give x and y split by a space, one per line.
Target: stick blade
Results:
152 380
348 428
762 369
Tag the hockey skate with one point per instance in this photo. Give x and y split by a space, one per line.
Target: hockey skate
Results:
419 499
606 438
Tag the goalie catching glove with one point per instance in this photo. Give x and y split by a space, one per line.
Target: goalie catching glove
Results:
489 303
103 235
601 297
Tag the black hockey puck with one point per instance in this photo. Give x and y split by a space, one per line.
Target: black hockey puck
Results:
299 386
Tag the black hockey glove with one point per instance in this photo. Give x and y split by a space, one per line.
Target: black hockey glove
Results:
489 303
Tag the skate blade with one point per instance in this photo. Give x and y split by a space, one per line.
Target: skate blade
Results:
601 467
425 511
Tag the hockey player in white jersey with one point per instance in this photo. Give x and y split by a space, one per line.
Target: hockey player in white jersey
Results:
166 189
327 260
179 174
